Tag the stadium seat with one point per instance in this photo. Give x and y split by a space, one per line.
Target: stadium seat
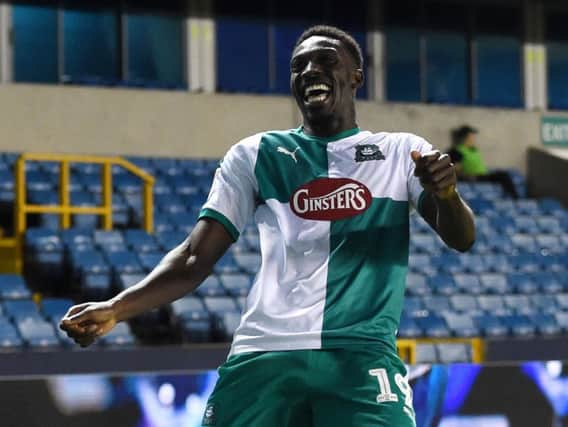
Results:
492 304
13 286
519 325
192 319
20 309
55 308
119 336
189 308
461 325
464 304
453 353
548 282
549 244
562 301
433 326
225 324
9 337
422 264
426 353
424 243
468 283
150 260
37 333
416 284
494 283
436 304
562 320
124 262
491 325
211 287
141 242
524 243
248 262
408 328
226 264
525 263
95 286
549 225
545 324
527 207
526 225
126 280
236 284
522 283
169 239
105 239
545 304
517 303
443 284
498 263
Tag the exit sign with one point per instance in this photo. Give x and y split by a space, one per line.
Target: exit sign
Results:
554 131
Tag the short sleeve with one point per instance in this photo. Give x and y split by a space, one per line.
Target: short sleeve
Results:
415 189
232 198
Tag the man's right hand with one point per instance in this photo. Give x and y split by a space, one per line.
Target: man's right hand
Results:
86 322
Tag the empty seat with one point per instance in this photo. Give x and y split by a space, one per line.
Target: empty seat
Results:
464 303
424 243
433 326
527 207
189 308
225 325
494 283
217 305
248 262
90 261
211 287
226 264
526 224
21 309
408 328
546 324
461 325
422 263
140 241
107 238
548 282
236 284
518 303
96 286
436 304
562 301
124 262
491 303
443 284
120 335
126 280
9 337
468 283
520 325
37 333
549 225
525 263
13 286
454 353
149 261
169 239
55 308
562 320
542 303
522 283
426 353
76 236
416 284
524 243
491 325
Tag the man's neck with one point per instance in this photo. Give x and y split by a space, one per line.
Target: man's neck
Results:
328 128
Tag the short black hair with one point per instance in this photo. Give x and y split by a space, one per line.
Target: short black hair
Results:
338 34
459 134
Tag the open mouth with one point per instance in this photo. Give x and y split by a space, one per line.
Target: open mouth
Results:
317 93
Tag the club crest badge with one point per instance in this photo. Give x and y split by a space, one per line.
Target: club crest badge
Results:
368 152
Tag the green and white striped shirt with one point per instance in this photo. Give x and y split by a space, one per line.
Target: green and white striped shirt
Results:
333 221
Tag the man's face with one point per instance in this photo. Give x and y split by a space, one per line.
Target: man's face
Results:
470 140
324 78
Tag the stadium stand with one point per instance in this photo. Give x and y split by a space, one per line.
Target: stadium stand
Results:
513 283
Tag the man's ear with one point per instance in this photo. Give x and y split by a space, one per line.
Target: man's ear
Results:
357 78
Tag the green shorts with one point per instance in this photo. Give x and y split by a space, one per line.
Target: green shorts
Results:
311 388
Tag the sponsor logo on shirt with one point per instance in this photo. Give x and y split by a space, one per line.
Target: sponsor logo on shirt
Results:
329 199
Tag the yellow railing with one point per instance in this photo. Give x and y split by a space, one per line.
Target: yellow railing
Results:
407 348
22 208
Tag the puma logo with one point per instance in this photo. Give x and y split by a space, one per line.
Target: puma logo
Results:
288 153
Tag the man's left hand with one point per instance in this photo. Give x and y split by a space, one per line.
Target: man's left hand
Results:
436 172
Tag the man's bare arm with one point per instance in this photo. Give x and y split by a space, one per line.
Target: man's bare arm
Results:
181 271
442 206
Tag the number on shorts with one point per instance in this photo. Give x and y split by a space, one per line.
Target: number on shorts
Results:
385 391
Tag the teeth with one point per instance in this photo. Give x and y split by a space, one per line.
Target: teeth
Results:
317 98
312 88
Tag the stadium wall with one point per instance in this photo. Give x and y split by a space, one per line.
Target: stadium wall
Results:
159 123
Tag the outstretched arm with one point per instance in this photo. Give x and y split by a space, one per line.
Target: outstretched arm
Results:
442 207
180 271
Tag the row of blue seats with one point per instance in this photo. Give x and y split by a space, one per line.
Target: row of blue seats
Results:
25 325
542 282
452 324
500 304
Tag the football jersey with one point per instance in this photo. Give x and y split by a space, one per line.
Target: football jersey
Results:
333 223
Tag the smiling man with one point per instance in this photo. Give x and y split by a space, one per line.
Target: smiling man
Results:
316 344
